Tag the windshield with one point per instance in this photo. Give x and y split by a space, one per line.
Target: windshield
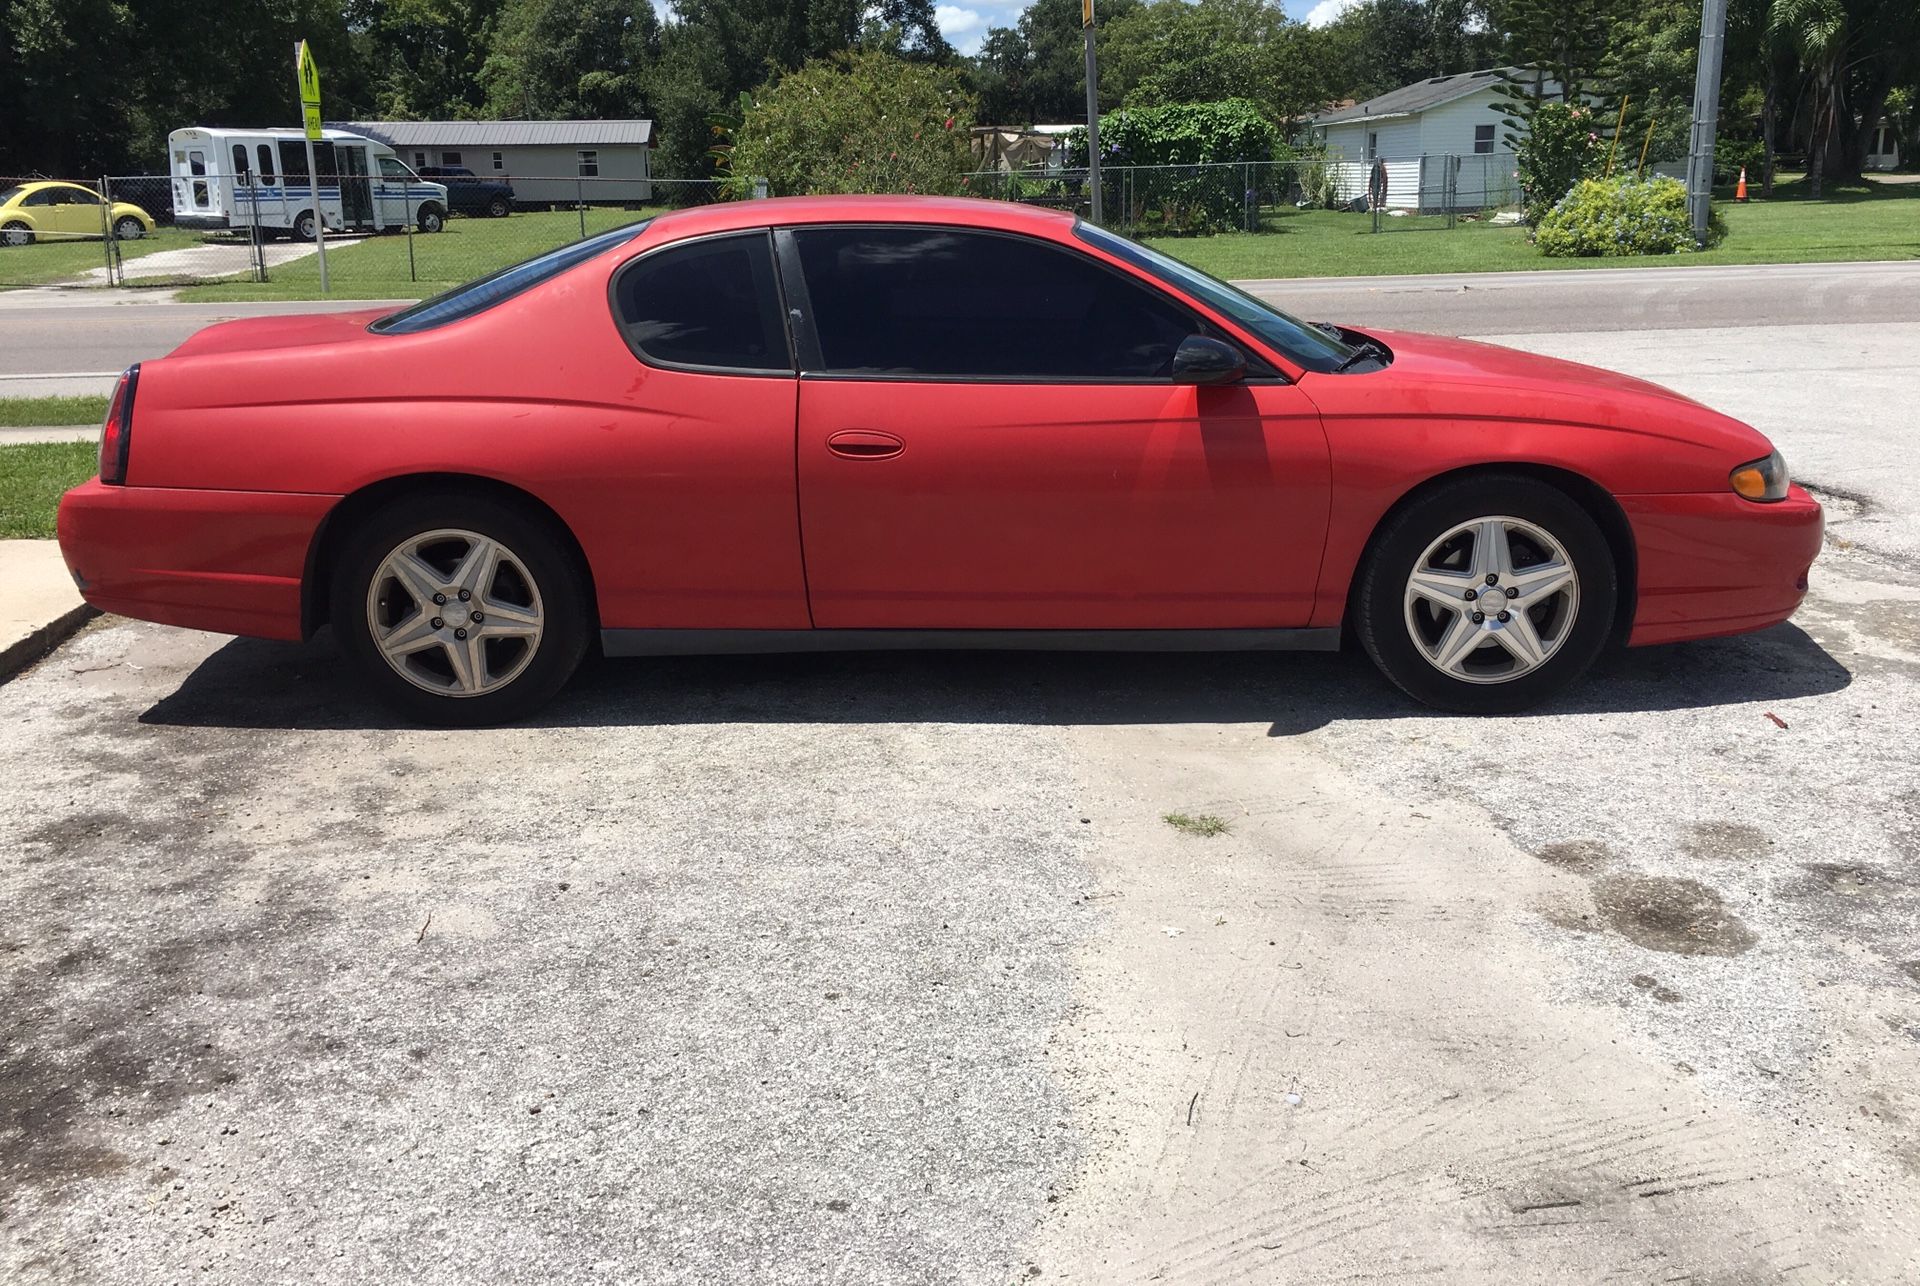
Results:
478 296
1306 344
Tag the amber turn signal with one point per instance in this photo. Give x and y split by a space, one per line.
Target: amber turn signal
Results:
1761 480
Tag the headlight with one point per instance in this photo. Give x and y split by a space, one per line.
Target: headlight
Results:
1761 479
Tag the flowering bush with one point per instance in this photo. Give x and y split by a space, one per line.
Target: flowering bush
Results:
1562 146
1621 216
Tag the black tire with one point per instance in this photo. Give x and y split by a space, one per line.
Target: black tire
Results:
16 234
533 542
1380 604
303 226
498 208
432 218
129 229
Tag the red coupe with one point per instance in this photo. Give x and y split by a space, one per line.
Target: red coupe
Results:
876 422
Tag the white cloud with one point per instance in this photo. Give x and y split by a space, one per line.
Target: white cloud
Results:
963 28
1326 11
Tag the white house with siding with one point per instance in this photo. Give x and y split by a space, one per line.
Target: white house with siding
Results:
1421 132
558 162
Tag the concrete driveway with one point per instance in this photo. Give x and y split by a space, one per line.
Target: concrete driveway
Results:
887 968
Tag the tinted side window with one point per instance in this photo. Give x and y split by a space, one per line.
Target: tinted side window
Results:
943 302
710 303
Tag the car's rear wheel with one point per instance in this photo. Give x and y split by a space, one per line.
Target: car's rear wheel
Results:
497 208
16 234
1487 594
460 609
129 228
432 218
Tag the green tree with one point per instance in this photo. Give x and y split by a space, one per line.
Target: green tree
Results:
1173 51
570 59
865 121
1035 71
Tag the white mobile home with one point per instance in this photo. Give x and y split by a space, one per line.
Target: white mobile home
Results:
1428 136
548 162
234 178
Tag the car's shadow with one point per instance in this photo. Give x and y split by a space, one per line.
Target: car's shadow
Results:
250 684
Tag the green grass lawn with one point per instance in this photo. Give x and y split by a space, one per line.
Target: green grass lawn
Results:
378 267
32 478
39 412
48 261
1861 221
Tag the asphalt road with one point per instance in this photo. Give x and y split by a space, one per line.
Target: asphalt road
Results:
56 332
887 968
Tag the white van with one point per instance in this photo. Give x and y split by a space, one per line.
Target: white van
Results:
231 178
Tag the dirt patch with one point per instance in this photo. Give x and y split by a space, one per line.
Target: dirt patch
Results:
1664 914
1722 841
1578 856
1911 968
1850 879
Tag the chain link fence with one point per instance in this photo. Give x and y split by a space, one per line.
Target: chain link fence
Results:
396 235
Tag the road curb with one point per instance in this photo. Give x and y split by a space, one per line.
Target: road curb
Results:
39 643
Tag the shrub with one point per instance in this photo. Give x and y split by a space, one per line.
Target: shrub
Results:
856 122
1186 137
1623 216
1731 155
1562 146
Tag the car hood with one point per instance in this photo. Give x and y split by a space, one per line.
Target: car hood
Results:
1470 363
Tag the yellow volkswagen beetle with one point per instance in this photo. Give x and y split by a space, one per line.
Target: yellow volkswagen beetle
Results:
64 212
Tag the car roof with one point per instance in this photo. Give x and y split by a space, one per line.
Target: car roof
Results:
972 212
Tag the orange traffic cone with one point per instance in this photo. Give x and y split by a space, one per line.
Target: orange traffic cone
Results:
1740 188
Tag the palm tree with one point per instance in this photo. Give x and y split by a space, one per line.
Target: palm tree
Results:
1818 31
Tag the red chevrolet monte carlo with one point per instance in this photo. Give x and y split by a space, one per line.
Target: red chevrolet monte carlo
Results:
913 422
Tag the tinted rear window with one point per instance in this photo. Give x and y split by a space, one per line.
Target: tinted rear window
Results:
478 296
711 303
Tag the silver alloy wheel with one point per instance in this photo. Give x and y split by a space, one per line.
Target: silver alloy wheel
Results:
455 612
129 229
1492 599
16 234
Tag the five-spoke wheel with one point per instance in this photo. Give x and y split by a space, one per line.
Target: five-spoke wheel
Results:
460 607
1486 594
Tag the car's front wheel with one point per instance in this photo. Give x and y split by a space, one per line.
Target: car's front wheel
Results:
129 228
1487 594
432 218
460 609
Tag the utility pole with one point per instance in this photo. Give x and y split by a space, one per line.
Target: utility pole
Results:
1706 115
1093 109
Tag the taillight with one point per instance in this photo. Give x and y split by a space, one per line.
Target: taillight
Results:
117 433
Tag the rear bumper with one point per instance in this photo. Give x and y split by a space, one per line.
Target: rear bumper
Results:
228 561
1713 564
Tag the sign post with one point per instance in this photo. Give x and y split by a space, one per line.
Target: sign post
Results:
308 73
1093 110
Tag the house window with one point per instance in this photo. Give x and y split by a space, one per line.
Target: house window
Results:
499 161
1373 144
419 159
1483 139
589 163
449 158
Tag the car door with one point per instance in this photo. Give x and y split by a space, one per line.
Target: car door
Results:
77 212
990 438
705 496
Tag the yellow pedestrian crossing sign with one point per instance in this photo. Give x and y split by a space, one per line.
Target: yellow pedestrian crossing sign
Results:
309 73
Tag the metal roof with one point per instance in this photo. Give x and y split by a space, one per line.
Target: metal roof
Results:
1411 100
479 134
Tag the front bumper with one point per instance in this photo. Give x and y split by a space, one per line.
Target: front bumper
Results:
1713 563
229 561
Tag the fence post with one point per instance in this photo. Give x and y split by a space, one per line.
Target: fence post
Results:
580 203
1246 193
407 221
107 244
257 252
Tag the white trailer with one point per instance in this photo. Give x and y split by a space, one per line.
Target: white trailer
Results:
234 178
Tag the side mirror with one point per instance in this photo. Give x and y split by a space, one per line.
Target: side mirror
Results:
1201 360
